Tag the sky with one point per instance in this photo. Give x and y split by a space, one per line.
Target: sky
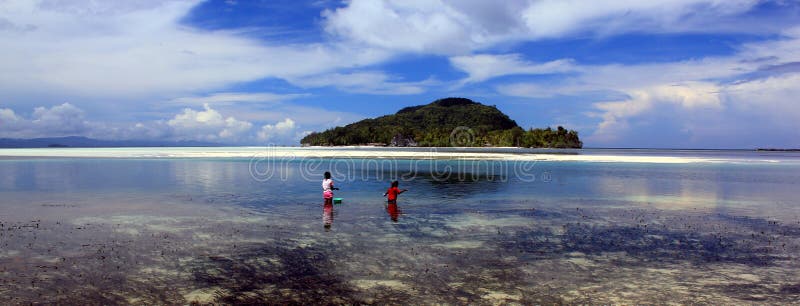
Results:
645 74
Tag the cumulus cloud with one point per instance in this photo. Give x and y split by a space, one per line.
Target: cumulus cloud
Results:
64 118
207 124
9 120
60 120
68 120
459 27
282 132
273 131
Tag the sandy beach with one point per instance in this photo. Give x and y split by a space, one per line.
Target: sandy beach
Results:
287 153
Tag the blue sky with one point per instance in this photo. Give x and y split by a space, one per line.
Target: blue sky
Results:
674 74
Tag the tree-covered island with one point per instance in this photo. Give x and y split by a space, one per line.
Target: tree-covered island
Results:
445 123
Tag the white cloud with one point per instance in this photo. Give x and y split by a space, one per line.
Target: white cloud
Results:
460 26
124 49
692 96
277 130
9 120
535 90
772 100
486 66
236 97
751 114
555 18
707 102
119 49
64 119
369 82
59 120
207 125
154 130
307 116
114 51
627 78
784 49
282 132
396 25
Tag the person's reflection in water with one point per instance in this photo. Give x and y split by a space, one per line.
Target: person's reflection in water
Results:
393 210
327 215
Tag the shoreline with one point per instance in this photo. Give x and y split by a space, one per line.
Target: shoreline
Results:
501 154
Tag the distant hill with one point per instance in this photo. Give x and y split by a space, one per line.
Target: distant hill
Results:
84 142
443 123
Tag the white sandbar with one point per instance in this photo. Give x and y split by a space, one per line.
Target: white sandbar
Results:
368 152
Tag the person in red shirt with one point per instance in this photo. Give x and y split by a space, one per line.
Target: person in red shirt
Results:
393 192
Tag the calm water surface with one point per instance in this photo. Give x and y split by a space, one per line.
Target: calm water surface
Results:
178 231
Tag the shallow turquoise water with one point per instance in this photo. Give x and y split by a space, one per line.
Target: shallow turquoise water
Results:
227 230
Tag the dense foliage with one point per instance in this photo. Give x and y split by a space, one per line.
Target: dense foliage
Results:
444 123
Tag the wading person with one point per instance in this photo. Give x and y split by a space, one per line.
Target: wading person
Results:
327 188
393 191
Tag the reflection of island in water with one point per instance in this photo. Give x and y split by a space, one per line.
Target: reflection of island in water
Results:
393 210
327 215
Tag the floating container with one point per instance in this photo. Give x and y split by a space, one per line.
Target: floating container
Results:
337 200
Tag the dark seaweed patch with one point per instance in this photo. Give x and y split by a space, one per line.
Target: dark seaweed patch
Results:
535 243
761 225
790 289
643 243
296 276
666 245
758 292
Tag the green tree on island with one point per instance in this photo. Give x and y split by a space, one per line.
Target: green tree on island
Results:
444 123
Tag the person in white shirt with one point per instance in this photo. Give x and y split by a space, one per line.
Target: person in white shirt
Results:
327 188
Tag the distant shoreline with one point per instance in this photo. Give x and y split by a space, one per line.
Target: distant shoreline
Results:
85 142
777 150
